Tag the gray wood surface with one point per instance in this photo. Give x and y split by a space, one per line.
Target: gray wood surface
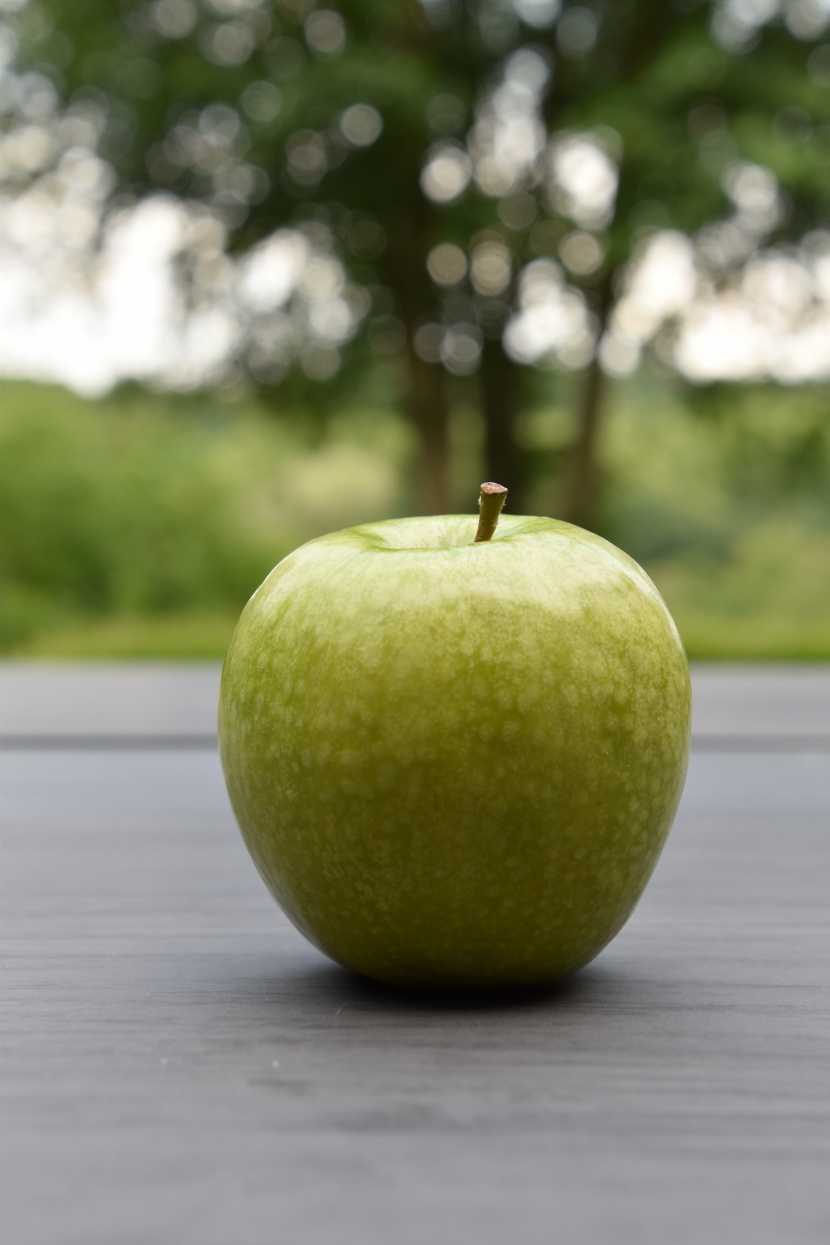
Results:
180 1066
142 701
83 699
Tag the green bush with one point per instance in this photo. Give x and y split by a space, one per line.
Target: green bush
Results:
108 510
166 508
139 525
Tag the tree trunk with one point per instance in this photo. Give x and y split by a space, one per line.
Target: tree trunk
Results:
426 402
424 385
500 380
582 484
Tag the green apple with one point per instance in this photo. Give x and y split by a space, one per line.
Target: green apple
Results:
455 762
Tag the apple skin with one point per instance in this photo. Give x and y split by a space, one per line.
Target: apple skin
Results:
456 764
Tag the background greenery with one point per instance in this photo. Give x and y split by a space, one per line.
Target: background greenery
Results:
423 146
417 152
139 525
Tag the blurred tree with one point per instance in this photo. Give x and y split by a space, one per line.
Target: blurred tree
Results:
484 172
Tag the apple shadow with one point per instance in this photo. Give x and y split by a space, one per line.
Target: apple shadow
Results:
594 987
364 990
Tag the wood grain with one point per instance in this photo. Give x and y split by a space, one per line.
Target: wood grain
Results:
180 1066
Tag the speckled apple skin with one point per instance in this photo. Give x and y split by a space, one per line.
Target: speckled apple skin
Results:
456 764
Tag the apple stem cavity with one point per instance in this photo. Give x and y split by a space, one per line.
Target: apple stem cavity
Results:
490 502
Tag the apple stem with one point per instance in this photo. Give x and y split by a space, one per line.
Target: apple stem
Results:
490 502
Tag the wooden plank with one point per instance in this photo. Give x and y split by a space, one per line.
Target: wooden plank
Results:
175 703
782 702
179 1065
83 699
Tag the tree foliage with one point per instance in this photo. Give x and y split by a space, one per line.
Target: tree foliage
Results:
465 162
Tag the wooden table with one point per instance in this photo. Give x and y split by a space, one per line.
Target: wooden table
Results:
180 1066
